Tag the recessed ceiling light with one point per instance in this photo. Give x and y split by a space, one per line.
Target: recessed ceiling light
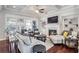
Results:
14 6
36 11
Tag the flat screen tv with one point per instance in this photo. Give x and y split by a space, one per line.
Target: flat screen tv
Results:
53 19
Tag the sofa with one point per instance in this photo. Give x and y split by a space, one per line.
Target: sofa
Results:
26 43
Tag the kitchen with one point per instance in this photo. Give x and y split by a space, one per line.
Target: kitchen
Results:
39 28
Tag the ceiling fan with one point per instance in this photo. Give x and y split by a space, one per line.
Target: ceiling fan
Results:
39 9
43 9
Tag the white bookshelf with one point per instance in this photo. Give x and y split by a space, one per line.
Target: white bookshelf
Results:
74 19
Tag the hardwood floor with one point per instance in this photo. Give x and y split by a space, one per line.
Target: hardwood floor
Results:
59 48
4 46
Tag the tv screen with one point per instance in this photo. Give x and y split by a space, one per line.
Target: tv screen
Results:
53 19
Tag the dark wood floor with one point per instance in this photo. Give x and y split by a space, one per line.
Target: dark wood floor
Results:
60 48
4 48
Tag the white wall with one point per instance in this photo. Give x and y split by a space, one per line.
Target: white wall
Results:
2 26
3 18
66 11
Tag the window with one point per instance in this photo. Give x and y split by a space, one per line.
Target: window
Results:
11 24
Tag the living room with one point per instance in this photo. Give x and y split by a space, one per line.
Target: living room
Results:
39 28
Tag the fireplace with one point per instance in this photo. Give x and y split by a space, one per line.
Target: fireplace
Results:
54 32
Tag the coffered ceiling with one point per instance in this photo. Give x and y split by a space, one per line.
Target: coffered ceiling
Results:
32 10
25 8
